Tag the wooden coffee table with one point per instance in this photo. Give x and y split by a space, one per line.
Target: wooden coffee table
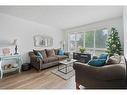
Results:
67 64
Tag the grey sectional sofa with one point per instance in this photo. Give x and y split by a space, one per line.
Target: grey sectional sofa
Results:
49 58
108 76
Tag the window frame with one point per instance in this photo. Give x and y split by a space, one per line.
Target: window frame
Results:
94 46
75 41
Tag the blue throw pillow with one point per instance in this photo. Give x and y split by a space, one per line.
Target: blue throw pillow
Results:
103 56
39 55
61 52
97 62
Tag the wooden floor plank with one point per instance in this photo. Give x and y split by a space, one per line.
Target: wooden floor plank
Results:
36 80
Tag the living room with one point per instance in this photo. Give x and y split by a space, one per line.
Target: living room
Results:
42 41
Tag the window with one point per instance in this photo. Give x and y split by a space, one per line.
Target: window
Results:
94 41
100 38
75 41
89 39
98 52
100 41
79 40
72 42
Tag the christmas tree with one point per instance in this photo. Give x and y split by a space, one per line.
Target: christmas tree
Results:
113 43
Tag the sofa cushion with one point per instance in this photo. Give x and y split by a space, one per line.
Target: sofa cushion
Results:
61 57
50 59
97 62
50 52
56 51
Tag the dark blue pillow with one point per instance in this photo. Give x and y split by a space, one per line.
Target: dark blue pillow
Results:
103 56
61 52
97 62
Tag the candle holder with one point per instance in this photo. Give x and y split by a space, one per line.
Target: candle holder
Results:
16 47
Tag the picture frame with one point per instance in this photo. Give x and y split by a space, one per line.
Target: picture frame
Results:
42 41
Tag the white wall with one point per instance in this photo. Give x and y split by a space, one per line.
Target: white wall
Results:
125 30
114 22
15 28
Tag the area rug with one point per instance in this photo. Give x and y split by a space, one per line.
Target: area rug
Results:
62 75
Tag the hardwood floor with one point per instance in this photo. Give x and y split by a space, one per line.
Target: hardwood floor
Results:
36 80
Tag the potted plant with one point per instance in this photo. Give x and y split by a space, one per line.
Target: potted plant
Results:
82 50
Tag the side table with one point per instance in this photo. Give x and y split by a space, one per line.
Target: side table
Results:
18 59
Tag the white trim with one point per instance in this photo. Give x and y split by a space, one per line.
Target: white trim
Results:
94 41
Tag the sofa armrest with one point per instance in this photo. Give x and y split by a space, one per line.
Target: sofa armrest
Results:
112 72
67 53
108 72
34 58
84 68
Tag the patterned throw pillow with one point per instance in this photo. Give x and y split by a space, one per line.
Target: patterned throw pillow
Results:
43 53
40 55
114 59
123 60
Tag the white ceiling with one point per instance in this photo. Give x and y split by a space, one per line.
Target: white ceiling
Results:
63 17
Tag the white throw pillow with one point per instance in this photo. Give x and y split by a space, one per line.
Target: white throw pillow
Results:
122 60
116 58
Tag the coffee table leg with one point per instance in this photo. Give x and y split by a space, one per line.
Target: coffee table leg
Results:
58 66
66 69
